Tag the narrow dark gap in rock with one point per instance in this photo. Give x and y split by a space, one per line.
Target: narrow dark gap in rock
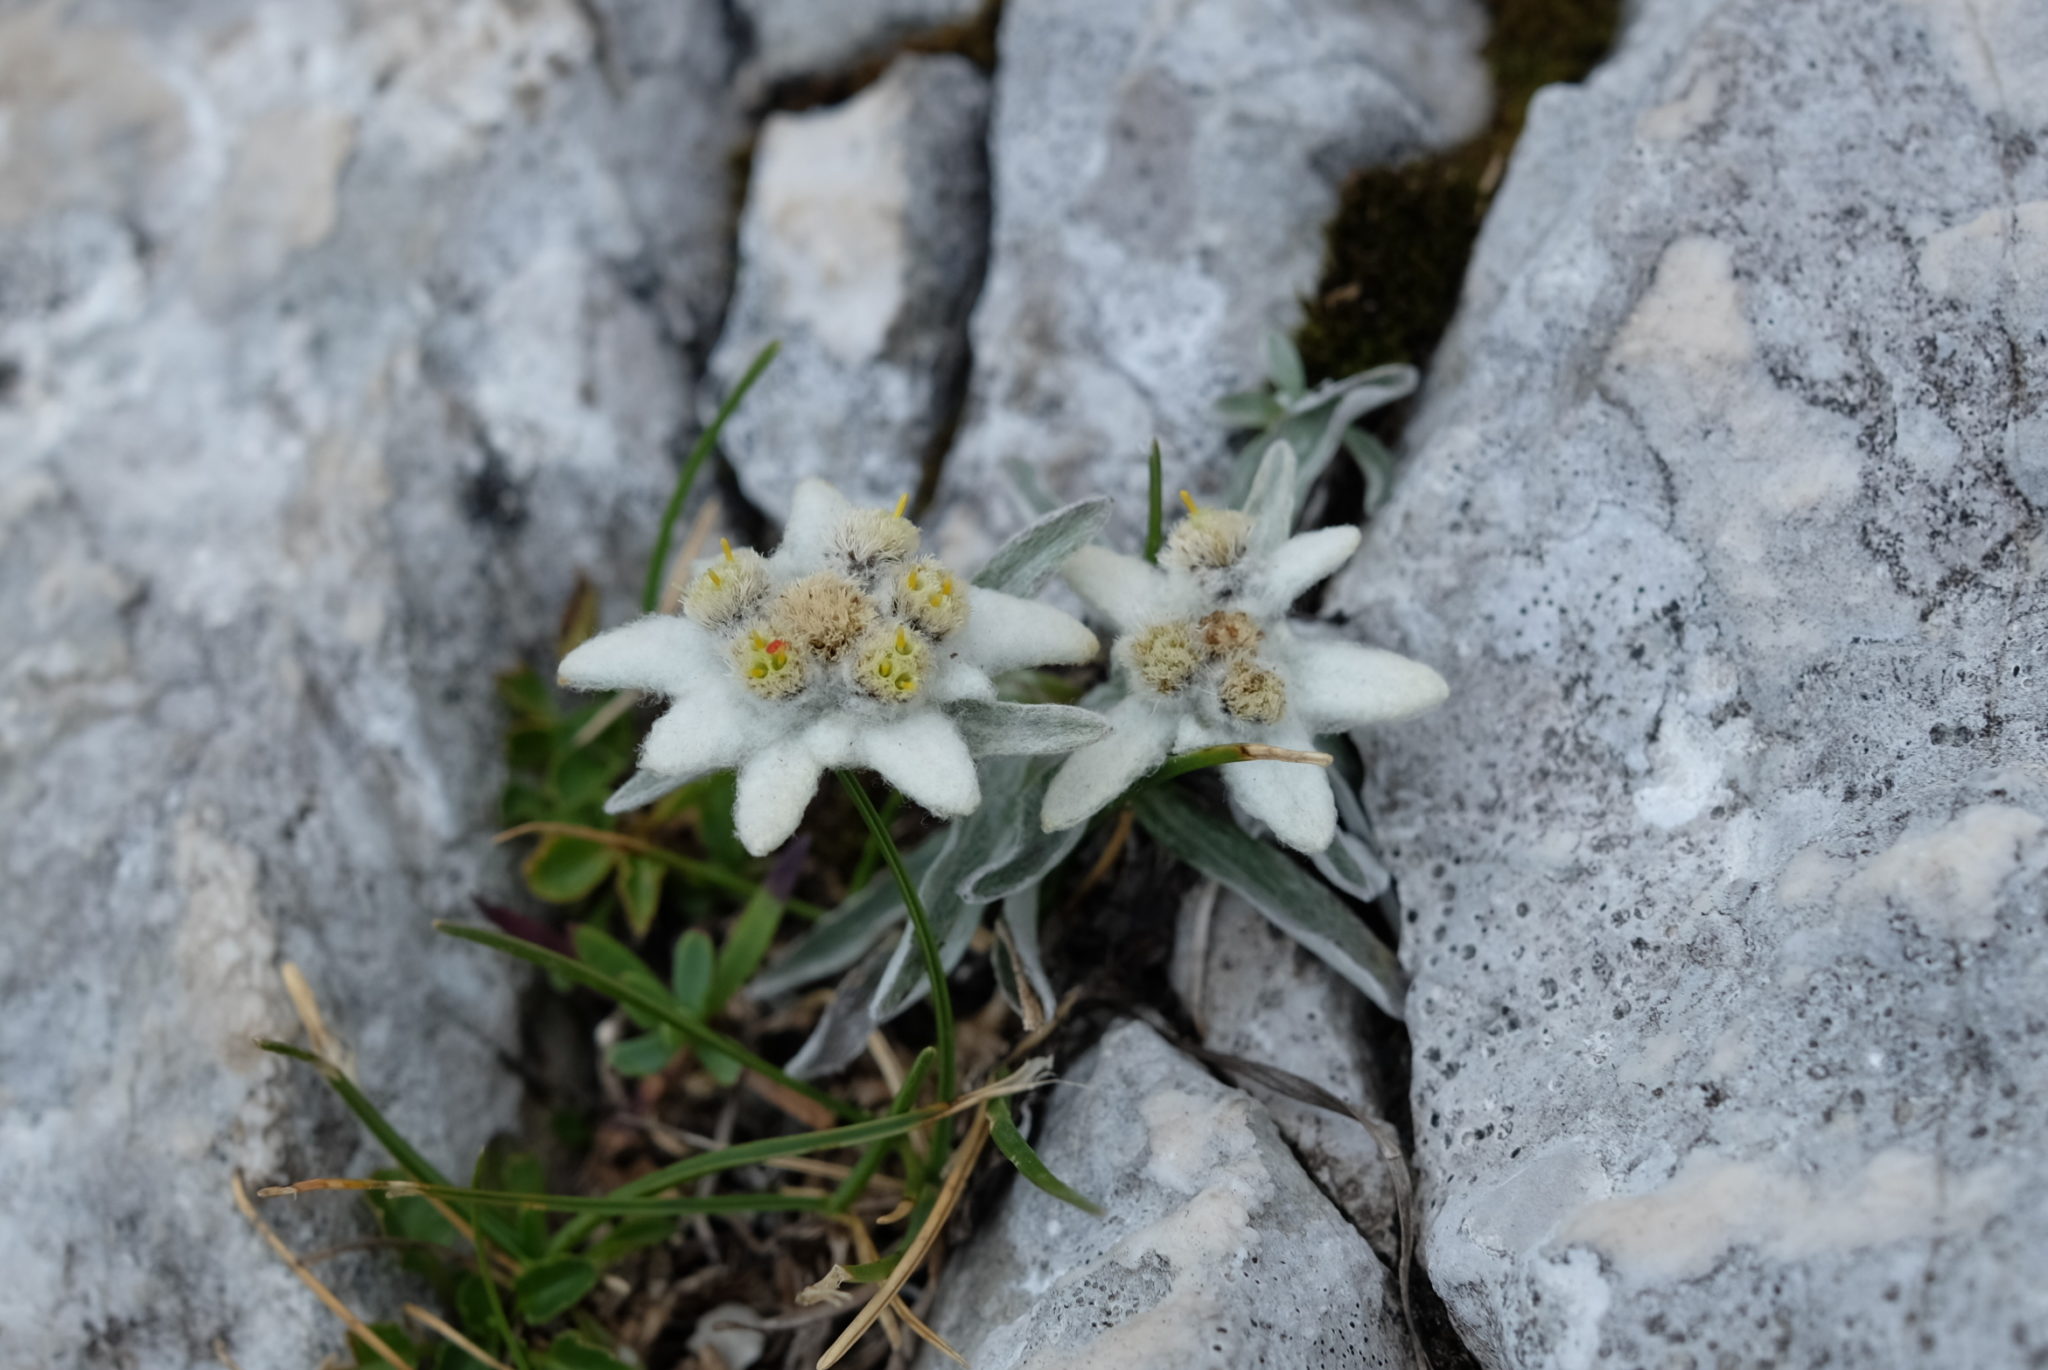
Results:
975 40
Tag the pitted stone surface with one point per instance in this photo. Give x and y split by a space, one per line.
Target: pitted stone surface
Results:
861 249
1725 867
333 340
1162 172
1216 1251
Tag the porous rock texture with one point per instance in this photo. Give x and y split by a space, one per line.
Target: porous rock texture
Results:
1162 171
1725 868
861 249
334 338
1256 993
794 38
1216 1250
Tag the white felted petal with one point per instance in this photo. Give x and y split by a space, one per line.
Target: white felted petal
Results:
1125 590
1004 632
815 509
711 729
835 740
1337 684
1100 771
775 787
925 757
1291 797
662 653
956 680
1301 561
1270 501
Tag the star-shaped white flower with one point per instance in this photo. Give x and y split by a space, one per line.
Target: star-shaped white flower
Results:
843 649
1208 656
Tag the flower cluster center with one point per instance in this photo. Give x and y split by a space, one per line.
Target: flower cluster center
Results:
1217 653
866 624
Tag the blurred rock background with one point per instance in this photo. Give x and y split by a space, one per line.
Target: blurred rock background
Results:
337 339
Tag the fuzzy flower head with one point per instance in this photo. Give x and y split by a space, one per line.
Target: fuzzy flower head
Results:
1208 655
844 648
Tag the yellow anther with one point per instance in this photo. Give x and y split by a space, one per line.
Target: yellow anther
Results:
912 582
712 576
726 543
902 503
907 684
1189 501
902 639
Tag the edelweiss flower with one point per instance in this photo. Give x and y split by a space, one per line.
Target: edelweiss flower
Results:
1208 657
844 648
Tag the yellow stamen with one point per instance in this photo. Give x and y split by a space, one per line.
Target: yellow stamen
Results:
1189 501
906 684
902 503
912 582
712 576
902 641
726 543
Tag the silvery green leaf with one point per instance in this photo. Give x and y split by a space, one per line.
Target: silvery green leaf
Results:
1384 383
953 921
845 1025
1352 406
1288 896
1283 365
644 788
996 729
837 940
1375 463
1270 500
1249 409
1027 561
1024 476
1019 851
1020 916
1349 864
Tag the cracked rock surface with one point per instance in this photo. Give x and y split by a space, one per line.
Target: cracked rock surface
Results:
1217 1251
1725 866
861 249
333 340
1162 171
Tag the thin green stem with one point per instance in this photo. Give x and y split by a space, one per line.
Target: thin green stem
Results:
1226 754
657 565
870 853
856 1180
876 1130
921 929
1155 514
655 1005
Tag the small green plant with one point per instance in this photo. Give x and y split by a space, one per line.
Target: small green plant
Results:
846 650
1316 422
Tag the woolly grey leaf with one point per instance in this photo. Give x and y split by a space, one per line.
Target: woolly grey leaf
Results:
953 921
999 729
841 1034
644 788
1027 561
837 940
1283 365
1288 896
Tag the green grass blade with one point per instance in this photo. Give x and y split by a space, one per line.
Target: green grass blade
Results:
367 1113
745 946
1155 511
598 1207
864 1169
513 1347
1002 1130
657 565
657 1006
751 1153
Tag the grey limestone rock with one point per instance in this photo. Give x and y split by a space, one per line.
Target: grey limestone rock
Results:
1162 171
1217 1251
861 249
1725 866
792 38
1257 994
333 339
